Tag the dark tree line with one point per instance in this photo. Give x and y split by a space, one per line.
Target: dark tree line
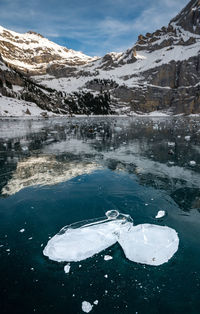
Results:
87 103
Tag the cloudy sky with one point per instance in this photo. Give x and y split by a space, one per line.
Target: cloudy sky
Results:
92 26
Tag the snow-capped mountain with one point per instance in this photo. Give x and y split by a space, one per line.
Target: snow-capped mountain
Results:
32 53
161 71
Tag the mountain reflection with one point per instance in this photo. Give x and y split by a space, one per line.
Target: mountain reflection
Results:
45 170
157 151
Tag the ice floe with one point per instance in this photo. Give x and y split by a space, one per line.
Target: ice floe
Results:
86 306
77 242
107 258
149 244
145 243
192 163
187 138
160 214
67 268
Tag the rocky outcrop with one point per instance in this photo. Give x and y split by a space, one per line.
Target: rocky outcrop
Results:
189 17
173 83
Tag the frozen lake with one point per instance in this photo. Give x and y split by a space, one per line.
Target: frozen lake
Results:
60 171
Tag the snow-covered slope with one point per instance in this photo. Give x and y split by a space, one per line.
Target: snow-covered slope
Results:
31 52
161 71
11 107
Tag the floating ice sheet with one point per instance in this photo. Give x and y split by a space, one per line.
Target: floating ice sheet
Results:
146 244
80 241
149 244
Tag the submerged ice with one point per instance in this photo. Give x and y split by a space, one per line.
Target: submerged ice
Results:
145 243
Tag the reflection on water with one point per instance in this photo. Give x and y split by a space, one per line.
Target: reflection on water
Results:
58 171
162 152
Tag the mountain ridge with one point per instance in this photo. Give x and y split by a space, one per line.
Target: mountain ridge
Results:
160 72
32 53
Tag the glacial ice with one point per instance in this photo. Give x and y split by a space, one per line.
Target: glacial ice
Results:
145 243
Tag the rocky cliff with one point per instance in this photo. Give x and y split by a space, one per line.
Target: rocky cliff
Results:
160 72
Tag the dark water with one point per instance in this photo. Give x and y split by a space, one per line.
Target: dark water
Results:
56 172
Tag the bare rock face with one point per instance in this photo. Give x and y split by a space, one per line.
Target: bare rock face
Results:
189 17
171 84
27 90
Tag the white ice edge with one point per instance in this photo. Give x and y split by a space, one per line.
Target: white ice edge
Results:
145 243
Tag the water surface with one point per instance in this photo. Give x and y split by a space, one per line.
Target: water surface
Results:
59 171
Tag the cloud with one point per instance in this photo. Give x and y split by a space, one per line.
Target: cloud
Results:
94 28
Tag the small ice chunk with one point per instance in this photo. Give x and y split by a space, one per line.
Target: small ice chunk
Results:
22 230
112 214
160 214
105 276
118 129
107 258
171 144
187 138
86 307
96 302
149 244
192 163
67 268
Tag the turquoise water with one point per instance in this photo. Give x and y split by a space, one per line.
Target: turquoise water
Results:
56 172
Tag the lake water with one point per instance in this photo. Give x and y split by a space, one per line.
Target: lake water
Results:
60 171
